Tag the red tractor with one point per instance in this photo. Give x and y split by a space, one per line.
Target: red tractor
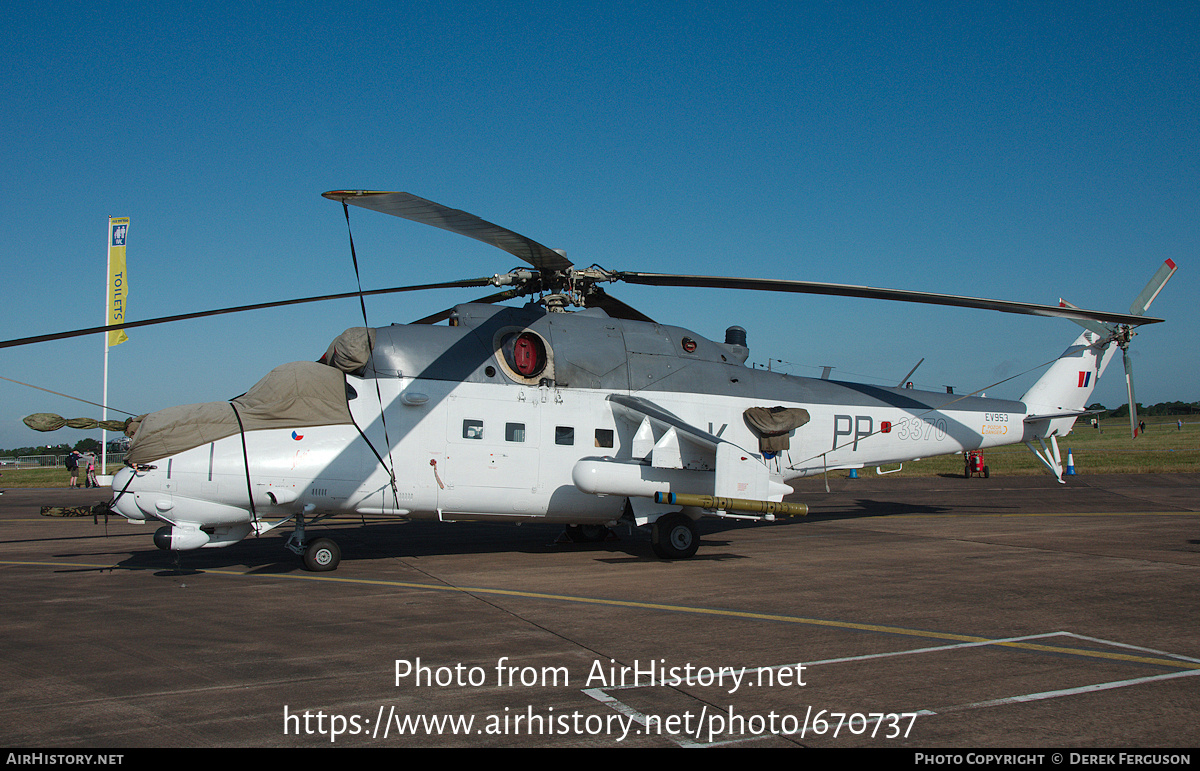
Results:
975 465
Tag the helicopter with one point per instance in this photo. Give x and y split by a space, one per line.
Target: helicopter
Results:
575 409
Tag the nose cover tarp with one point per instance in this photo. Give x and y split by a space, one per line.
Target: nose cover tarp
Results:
295 395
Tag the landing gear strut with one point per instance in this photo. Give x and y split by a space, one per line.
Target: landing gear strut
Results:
320 555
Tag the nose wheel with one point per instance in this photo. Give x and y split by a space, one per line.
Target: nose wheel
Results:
320 554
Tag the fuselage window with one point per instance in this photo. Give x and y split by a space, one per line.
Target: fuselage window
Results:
514 432
564 435
472 429
604 437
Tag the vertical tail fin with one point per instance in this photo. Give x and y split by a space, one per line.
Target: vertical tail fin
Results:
1068 384
1065 389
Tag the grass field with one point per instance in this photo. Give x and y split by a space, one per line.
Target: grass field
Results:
12 478
1162 449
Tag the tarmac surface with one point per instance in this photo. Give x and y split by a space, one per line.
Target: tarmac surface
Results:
903 613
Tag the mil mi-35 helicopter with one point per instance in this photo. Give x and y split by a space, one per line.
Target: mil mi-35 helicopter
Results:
585 418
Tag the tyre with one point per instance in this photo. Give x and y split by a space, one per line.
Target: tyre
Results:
321 555
674 537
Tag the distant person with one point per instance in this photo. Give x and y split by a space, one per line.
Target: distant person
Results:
1179 425
1142 426
91 471
72 464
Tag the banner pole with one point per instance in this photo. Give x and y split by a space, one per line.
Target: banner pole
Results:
117 278
107 313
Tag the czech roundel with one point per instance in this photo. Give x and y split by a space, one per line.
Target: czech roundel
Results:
296 436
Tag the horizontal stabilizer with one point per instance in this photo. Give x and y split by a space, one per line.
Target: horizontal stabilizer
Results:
1063 414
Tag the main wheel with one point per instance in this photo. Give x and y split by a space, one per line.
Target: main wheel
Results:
674 537
321 555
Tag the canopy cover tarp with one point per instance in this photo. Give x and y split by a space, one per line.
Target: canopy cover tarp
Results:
295 395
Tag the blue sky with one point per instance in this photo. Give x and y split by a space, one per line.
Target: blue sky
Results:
1018 151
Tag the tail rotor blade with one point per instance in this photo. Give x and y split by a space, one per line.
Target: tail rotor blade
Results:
1157 282
1133 419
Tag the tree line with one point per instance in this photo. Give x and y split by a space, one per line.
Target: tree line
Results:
83 445
1162 409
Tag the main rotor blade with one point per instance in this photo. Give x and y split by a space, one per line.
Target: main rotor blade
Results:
1102 331
904 379
410 207
507 294
239 309
614 307
902 295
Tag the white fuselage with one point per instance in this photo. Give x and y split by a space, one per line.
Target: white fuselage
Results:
507 452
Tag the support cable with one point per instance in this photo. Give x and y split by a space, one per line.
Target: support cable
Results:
246 460
370 355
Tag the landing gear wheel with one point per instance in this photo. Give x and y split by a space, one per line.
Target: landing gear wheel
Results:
674 537
321 555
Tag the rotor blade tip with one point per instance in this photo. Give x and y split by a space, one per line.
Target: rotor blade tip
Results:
342 195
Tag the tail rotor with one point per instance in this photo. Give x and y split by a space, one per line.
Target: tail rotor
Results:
1123 334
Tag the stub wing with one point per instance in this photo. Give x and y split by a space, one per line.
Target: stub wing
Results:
672 457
